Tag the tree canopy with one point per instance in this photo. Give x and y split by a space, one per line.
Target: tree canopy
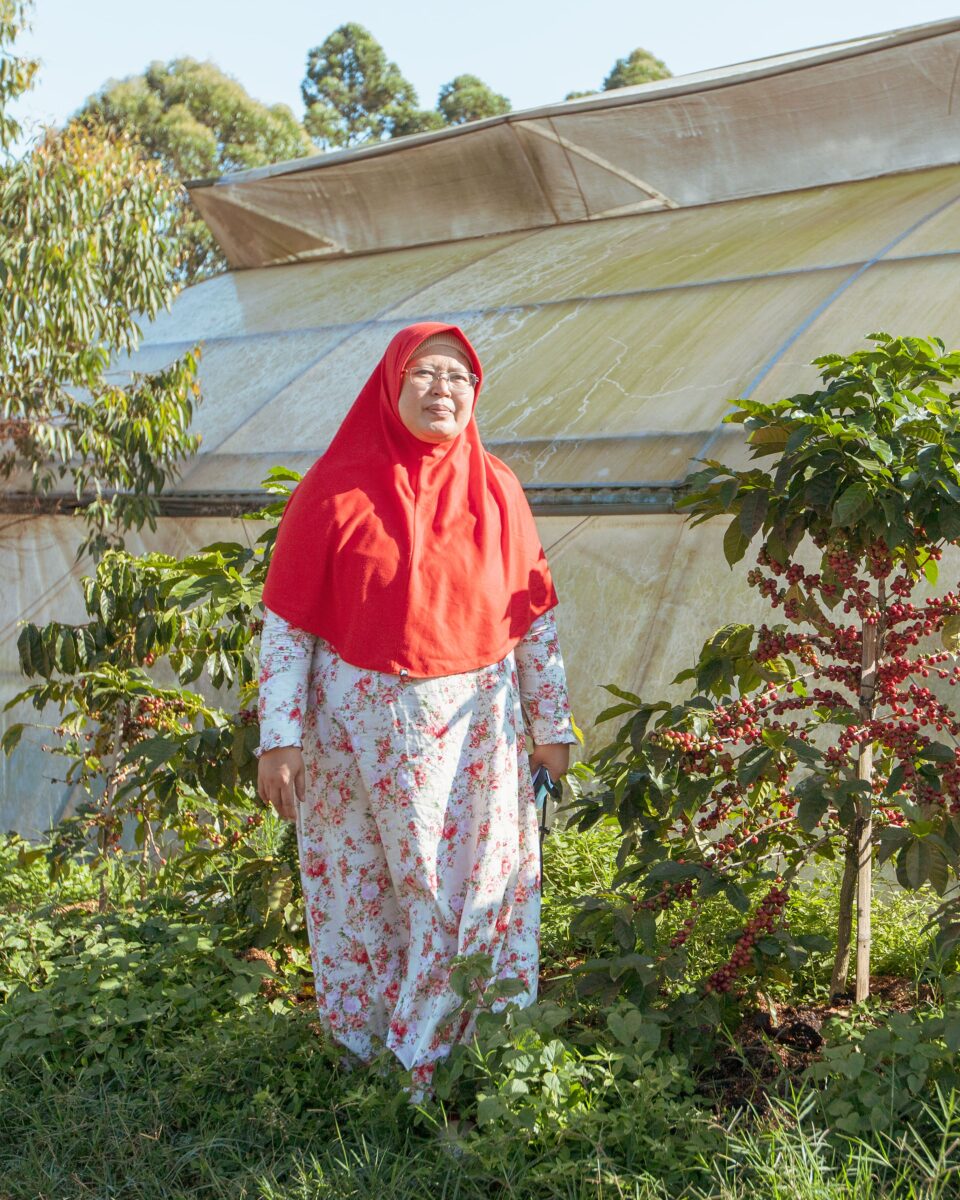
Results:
467 98
86 252
198 122
16 72
353 93
640 66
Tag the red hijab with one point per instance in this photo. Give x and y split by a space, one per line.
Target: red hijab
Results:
409 557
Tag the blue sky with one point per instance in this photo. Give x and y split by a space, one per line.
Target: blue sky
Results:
533 51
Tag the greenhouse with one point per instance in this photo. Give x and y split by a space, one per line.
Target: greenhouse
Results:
625 265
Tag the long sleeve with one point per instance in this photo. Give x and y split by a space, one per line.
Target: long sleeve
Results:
543 684
285 655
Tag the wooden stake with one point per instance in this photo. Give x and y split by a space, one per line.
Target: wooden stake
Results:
864 821
864 850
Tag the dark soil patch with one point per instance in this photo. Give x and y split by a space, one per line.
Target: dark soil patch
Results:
773 1046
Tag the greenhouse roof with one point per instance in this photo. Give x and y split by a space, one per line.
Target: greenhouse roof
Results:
624 264
834 113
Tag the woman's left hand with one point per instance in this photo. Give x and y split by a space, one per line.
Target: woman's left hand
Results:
556 758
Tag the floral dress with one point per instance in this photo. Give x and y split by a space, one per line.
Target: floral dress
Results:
418 834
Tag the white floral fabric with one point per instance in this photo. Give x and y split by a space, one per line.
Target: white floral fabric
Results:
418 835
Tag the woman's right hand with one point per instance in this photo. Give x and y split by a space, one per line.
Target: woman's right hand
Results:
281 779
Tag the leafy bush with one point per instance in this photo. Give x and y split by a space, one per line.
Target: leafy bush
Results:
874 1072
25 876
89 990
539 1078
575 865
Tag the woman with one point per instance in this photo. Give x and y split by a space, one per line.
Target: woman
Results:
409 633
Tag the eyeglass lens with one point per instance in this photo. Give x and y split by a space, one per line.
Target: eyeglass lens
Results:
456 380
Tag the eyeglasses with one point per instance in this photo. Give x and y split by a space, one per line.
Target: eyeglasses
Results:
457 381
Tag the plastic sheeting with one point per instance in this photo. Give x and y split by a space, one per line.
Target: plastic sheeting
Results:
836 113
611 347
638 597
630 577
46 587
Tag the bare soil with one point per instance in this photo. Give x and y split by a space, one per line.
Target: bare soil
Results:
776 1043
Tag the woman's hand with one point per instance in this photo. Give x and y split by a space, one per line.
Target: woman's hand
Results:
556 758
281 779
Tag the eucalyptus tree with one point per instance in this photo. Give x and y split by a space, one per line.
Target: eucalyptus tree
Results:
86 253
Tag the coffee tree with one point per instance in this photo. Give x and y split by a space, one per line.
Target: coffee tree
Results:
816 736
165 760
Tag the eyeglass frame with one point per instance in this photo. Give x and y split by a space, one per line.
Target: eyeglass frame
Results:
445 376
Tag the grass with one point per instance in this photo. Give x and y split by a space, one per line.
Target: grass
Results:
147 1137
242 1101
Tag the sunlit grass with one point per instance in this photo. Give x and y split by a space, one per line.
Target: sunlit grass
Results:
250 1103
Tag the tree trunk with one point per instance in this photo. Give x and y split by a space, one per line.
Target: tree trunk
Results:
841 962
110 790
864 822
864 851
144 856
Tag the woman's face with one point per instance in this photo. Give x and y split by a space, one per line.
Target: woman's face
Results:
430 408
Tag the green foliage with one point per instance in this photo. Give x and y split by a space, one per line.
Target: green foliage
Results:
801 738
164 759
85 991
266 895
84 255
794 1156
639 66
874 1069
226 1088
532 1081
904 939
873 455
16 73
467 98
198 122
352 92
415 120
25 877
575 865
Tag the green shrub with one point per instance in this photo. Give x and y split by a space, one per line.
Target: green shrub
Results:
875 1071
90 990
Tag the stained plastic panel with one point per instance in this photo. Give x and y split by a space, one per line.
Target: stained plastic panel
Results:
798 231
380 201
912 297
638 596
611 348
621 369
341 292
